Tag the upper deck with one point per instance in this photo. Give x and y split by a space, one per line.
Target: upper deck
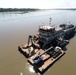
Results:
46 28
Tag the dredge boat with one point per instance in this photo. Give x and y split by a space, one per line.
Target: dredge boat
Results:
47 46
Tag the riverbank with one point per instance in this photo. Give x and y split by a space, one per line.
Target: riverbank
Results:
22 12
16 10
26 10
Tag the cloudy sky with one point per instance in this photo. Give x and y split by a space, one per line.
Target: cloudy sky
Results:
41 4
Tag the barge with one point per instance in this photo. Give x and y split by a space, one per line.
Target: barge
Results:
47 46
45 60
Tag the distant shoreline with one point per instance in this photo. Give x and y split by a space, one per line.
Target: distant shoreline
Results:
26 10
16 10
64 9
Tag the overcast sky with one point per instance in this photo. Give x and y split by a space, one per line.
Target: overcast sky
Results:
41 4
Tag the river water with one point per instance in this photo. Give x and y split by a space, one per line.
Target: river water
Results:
14 31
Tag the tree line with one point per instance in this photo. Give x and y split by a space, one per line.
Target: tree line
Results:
17 9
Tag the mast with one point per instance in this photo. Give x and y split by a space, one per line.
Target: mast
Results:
50 21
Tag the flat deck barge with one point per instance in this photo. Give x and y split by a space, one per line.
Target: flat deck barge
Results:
28 50
46 62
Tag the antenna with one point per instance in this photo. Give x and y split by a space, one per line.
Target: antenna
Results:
50 21
43 23
69 22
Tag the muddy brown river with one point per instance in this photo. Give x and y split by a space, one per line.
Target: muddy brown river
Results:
14 31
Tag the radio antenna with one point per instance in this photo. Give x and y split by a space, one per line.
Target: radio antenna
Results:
50 21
